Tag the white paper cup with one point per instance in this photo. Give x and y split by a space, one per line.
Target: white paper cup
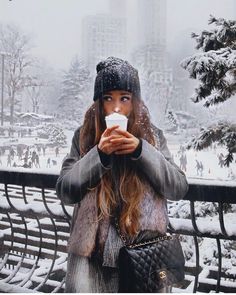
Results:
117 119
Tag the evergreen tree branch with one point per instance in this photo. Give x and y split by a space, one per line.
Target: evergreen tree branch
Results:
224 35
215 68
223 133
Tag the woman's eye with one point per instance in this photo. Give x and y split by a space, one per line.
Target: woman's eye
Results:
107 98
125 98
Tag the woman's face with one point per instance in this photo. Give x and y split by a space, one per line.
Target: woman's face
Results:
117 101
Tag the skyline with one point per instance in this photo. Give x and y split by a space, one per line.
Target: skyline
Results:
56 27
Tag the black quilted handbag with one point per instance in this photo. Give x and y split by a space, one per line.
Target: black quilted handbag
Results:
150 266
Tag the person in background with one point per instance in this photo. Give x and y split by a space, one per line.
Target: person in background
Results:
48 163
57 151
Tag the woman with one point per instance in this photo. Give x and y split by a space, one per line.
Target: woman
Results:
110 175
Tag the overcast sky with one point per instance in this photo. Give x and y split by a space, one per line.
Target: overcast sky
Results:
56 24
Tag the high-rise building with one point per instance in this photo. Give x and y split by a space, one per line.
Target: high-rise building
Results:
152 22
103 35
151 25
118 8
151 58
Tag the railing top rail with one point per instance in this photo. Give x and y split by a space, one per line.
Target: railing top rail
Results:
198 190
211 192
32 179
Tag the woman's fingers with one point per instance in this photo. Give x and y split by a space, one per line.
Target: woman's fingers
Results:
108 131
113 148
115 143
124 133
114 136
126 147
102 145
121 140
109 148
118 149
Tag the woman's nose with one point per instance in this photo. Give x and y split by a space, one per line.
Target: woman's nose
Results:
116 109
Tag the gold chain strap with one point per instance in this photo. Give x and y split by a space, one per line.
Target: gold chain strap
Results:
119 232
155 240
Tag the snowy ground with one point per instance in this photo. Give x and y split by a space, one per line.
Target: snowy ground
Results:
212 171
55 161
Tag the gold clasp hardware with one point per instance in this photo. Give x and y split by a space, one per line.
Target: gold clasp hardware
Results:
162 275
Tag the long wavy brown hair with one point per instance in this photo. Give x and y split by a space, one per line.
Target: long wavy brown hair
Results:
129 180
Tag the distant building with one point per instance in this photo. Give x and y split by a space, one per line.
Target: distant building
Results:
151 25
151 58
152 22
118 8
32 119
103 35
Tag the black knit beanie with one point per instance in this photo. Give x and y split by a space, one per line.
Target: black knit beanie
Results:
116 74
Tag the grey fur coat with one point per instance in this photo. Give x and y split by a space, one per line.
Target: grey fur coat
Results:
79 176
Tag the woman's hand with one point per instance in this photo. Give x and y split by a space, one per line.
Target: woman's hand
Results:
125 143
105 145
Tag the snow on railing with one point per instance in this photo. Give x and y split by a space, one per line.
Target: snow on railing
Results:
35 227
206 220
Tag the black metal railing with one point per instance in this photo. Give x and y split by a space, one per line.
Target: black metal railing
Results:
216 202
35 224
35 228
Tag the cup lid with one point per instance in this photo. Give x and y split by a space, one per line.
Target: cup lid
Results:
115 116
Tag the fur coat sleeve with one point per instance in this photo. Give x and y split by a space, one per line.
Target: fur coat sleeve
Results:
79 175
162 173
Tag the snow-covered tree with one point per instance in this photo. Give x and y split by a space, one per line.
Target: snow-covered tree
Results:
17 45
57 136
38 95
33 90
215 67
75 97
53 133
